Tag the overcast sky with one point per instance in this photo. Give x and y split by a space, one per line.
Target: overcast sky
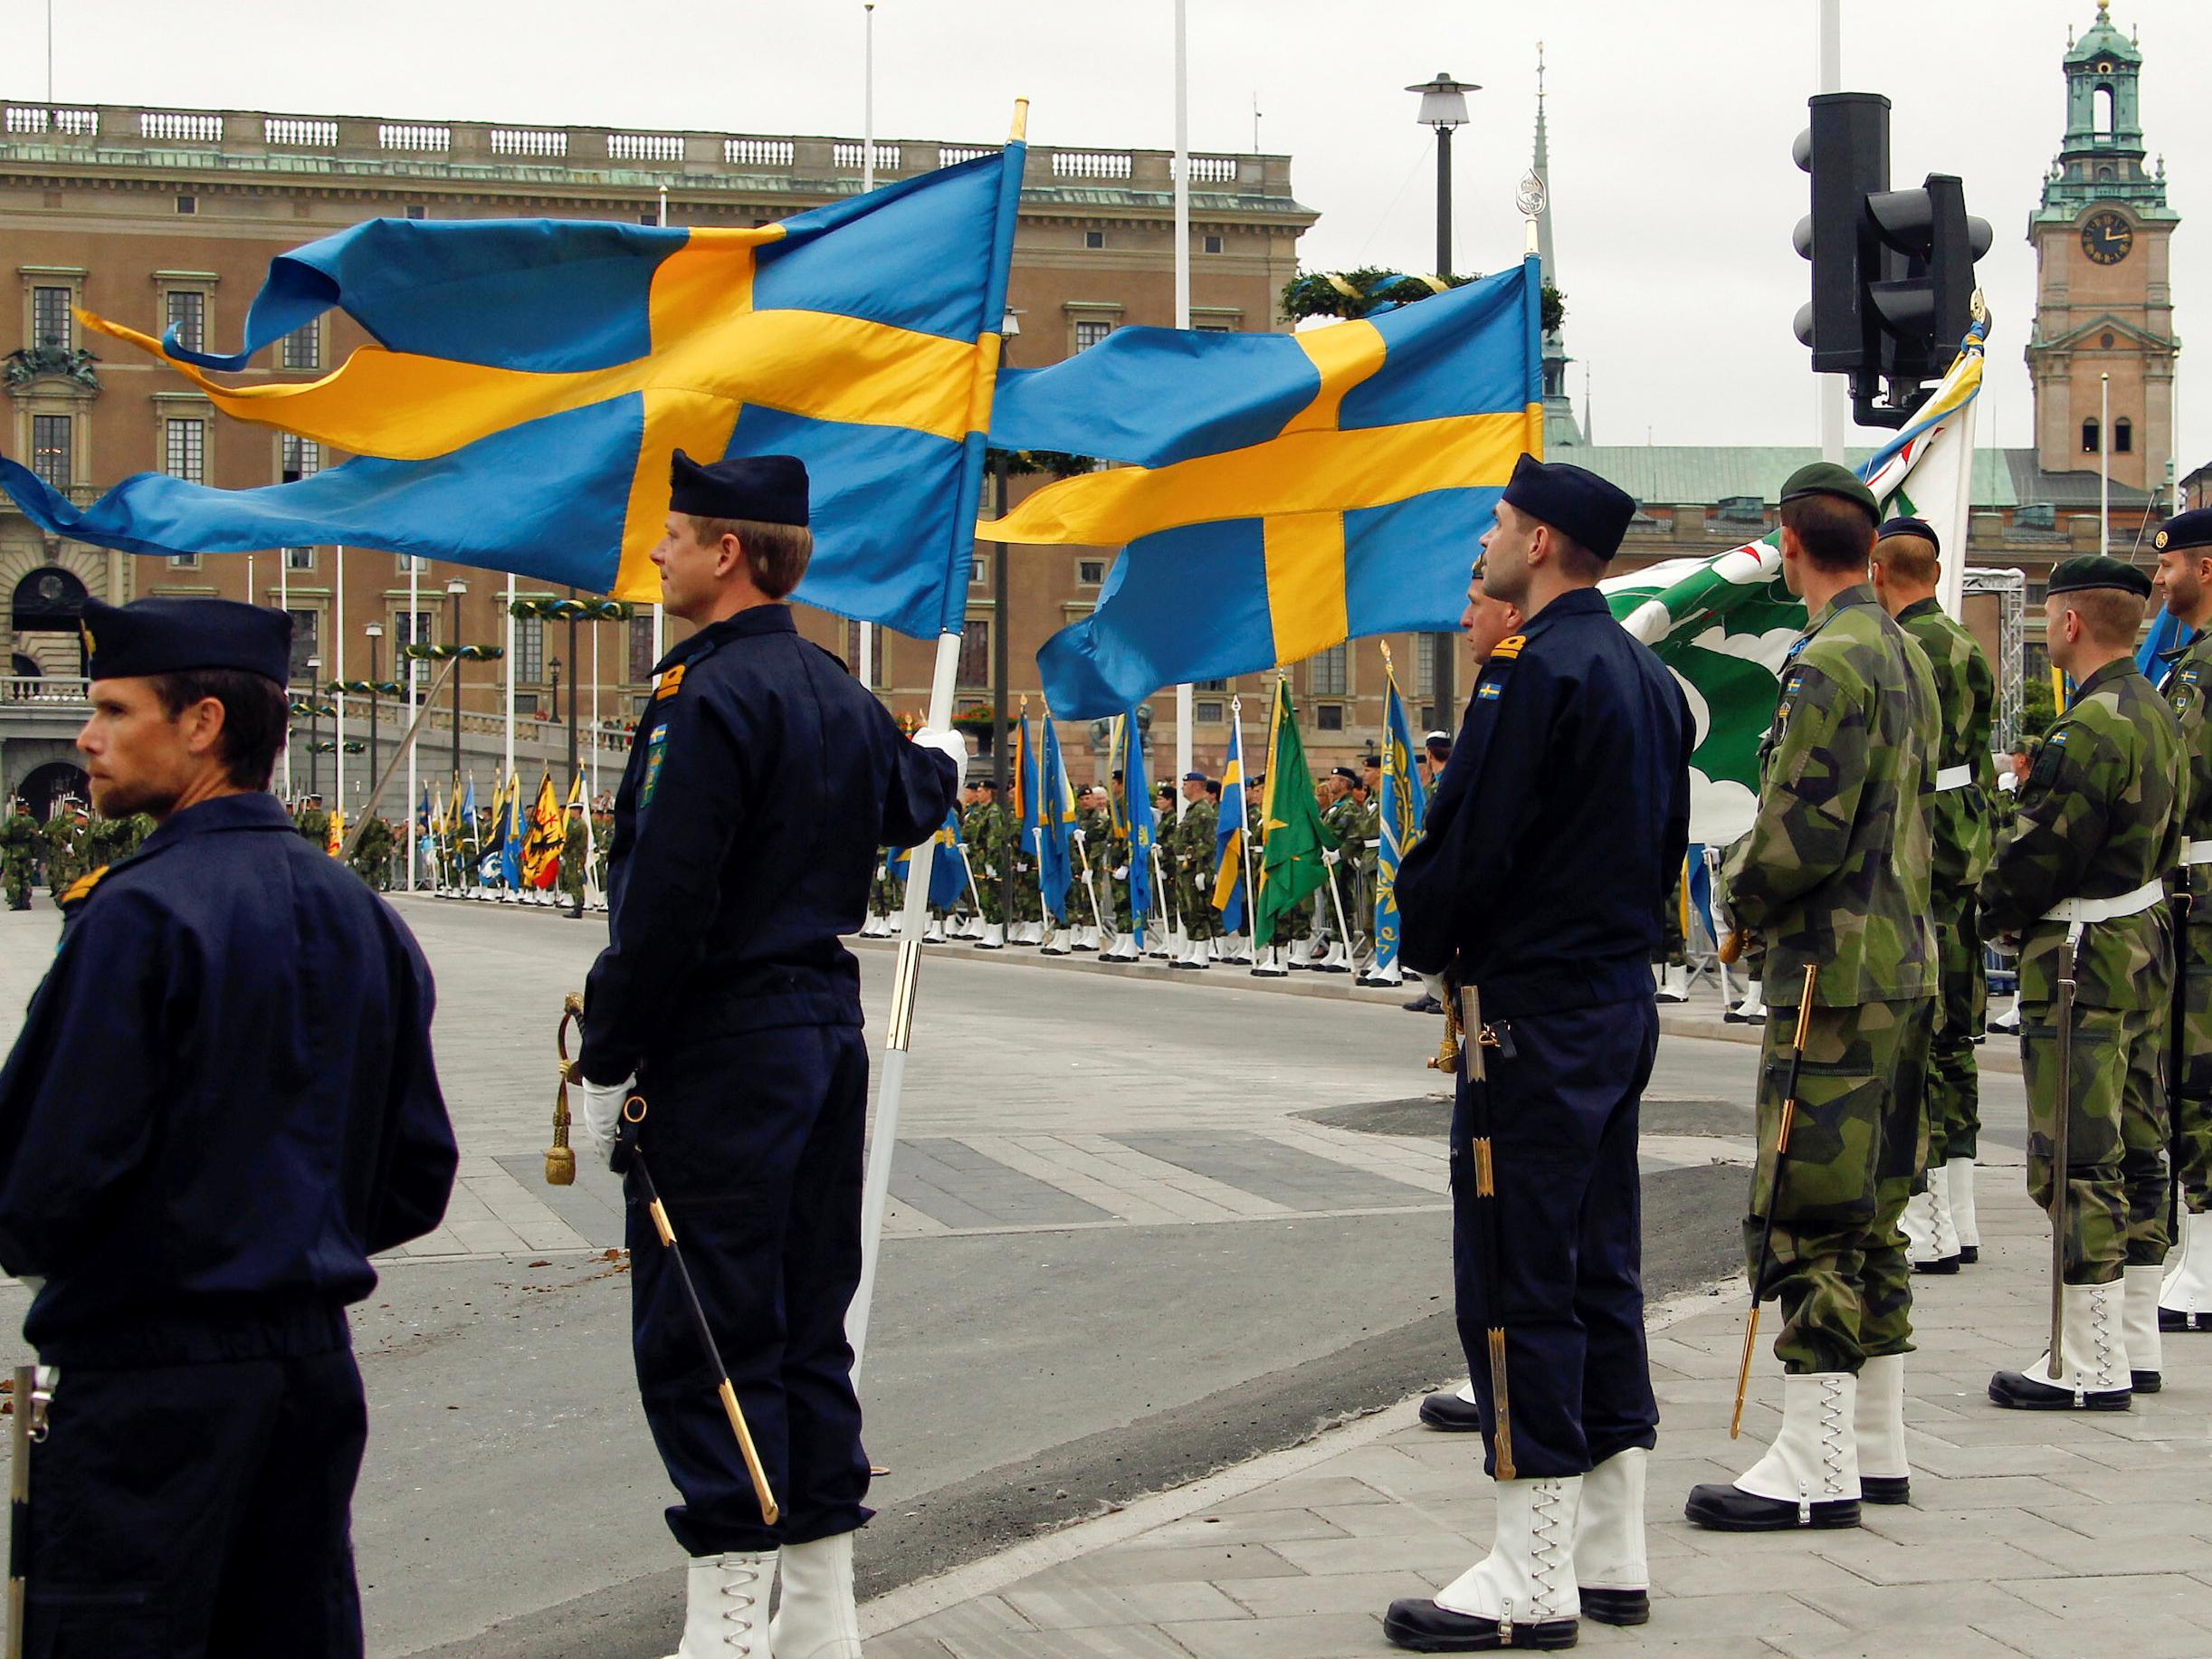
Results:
1670 129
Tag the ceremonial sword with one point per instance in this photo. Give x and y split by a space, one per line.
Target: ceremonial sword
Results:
1774 1191
1475 1071
2062 1171
26 1427
2183 902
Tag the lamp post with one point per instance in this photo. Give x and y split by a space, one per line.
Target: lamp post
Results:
314 726
375 631
575 662
556 671
1009 330
1443 106
453 590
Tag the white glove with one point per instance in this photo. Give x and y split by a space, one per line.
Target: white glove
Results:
950 744
602 1113
1122 873
1330 856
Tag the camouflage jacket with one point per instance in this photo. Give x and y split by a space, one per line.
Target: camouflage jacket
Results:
989 831
2099 816
1194 842
2186 689
1343 819
1835 871
1957 817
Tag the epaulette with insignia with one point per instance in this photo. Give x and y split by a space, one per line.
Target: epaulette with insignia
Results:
1508 648
671 683
80 890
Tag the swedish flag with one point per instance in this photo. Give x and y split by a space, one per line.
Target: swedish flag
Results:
1313 487
530 379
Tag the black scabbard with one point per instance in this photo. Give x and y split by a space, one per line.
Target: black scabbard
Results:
2176 1059
1476 1065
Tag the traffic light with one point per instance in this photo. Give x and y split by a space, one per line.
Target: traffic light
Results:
1892 270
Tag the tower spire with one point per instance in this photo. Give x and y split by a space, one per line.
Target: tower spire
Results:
1560 430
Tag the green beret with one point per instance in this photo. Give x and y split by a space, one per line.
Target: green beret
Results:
2186 530
1827 478
2094 570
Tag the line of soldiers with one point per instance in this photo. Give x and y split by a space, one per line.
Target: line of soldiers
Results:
70 843
1329 931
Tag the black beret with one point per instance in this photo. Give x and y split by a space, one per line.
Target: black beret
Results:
2094 570
2184 530
1346 773
1373 760
1574 501
167 636
1910 527
765 488
1829 478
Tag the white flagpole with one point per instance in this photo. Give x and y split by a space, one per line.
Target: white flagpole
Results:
1183 706
1244 818
594 717
660 618
1952 573
867 182
2104 466
338 698
414 670
511 674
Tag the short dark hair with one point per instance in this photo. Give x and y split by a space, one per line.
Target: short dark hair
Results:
1577 560
1835 533
1440 748
256 715
775 553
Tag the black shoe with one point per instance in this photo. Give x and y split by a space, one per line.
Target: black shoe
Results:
1968 1254
1450 1413
1617 1607
1731 1509
2146 1382
1942 1265
1422 1004
1732 1017
1886 1489
1427 1628
2173 1319
2020 1392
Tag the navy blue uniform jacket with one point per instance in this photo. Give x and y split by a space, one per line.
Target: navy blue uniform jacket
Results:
760 784
223 1095
1560 821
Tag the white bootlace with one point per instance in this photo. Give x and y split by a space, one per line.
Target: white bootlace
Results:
740 1641
1547 1553
1832 1429
2100 1334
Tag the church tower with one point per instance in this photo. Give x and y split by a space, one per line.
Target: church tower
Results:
2103 304
1561 430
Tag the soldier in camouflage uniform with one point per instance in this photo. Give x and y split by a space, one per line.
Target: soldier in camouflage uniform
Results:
1834 875
1941 1234
1673 957
988 831
1339 907
1193 876
1092 872
2185 576
1166 889
65 845
19 846
2079 880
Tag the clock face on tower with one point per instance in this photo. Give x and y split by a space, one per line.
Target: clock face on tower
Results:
2107 238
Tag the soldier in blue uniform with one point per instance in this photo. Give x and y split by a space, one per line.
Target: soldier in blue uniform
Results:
1559 824
761 781
221 1103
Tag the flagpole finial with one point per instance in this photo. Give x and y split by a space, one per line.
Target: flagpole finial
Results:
1386 651
1021 121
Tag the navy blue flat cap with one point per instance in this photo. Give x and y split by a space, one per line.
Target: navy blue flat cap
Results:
1911 527
762 488
170 636
1573 501
2184 530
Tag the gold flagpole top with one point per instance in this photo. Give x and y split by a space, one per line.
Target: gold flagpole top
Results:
1386 651
1021 121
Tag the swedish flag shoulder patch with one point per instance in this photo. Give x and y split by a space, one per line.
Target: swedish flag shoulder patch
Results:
80 890
671 683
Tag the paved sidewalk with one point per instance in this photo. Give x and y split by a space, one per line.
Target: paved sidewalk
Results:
2070 1536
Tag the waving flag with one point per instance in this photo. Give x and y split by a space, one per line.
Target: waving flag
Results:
1292 833
1724 625
947 872
1229 829
545 838
509 817
1028 787
2168 633
530 379
1304 487
1404 810
1134 817
1057 820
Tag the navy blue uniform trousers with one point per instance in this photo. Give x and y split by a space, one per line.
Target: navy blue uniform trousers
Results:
192 1499
1568 1283
755 1142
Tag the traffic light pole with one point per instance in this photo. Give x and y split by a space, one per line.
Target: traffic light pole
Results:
1835 395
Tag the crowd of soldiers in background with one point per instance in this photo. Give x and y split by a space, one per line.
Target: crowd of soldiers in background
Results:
1197 912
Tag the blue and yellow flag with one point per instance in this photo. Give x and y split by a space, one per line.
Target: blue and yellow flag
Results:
1028 815
1056 815
508 815
1135 807
1229 829
1310 487
947 869
530 379
1405 812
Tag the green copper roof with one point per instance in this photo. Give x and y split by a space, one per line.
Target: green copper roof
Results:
2104 41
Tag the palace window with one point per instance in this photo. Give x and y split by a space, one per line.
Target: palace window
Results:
50 322
2090 446
529 650
298 558
184 561
1207 713
1213 244
1328 717
303 346
298 458
53 442
187 450
187 312
306 640
975 669
1089 331
1094 239
1329 674
1090 572
642 658
2124 436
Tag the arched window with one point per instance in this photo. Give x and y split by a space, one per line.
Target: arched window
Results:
2103 123
2089 438
2124 436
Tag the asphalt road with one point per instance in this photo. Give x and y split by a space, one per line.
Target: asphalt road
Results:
1023 1372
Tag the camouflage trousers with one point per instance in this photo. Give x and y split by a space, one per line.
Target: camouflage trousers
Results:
1839 1255
1962 1005
1028 897
1674 946
2115 1139
18 882
987 897
2192 1097
1195 903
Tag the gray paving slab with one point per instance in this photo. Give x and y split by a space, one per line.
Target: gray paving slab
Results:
1266 1168
949 1181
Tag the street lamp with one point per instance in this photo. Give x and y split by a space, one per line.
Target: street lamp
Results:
1009 330
1443 106
314 726
375 631
453 590
555 665
574 662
